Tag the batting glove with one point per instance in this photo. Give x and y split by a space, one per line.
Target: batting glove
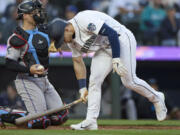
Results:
83 94
118 67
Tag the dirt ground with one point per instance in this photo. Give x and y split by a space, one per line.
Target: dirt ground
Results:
107 127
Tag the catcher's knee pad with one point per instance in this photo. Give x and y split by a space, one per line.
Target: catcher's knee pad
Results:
40 123
59 118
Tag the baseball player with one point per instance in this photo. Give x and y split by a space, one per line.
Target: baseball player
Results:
115 48
27 54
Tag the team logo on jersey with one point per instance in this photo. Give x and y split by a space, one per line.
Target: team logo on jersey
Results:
91 27
88 43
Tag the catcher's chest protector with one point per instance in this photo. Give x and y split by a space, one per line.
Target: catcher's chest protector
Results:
38 44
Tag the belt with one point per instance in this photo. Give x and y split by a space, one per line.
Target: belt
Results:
38 76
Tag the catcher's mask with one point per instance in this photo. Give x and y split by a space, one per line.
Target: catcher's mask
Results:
28 6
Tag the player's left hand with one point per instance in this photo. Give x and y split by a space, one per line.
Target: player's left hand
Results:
118 67
37 69
83 94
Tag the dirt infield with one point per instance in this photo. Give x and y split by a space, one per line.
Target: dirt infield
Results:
108 127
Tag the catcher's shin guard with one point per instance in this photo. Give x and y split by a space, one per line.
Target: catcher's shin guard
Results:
59 118
41 123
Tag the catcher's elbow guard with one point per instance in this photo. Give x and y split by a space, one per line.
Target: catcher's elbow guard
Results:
59 118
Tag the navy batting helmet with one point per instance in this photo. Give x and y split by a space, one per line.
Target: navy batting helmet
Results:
56 31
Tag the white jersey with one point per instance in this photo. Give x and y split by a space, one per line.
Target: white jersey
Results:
87 25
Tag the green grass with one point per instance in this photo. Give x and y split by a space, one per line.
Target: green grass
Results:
104 132
132 122
99 132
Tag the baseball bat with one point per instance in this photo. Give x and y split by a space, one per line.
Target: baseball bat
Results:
27 118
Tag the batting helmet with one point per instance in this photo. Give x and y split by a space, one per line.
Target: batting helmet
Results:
27 6
56 31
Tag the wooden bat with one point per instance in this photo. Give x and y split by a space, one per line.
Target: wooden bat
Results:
27 118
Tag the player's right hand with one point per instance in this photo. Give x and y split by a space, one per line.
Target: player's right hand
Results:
83 94
118 67
37 69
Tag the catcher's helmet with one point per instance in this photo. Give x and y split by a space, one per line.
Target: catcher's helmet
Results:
27 6
56 31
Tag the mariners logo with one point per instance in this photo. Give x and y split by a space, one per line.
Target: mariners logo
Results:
91 27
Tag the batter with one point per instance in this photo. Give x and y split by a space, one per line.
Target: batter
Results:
115 48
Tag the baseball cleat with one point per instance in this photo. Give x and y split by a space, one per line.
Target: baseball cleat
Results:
160 107
85 125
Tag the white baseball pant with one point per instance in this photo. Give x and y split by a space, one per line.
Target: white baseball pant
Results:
101 66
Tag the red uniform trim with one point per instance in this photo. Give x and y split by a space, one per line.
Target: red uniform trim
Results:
19 36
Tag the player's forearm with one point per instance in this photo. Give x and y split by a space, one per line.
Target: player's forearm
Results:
79 68
16 67
80 71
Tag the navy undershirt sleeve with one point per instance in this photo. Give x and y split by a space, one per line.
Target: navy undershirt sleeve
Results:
113 39
16 67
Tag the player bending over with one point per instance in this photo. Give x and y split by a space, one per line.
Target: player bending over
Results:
115 48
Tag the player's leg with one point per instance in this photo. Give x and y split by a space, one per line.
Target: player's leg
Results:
131 81
30 90
31 93
53 100
101 65
8 115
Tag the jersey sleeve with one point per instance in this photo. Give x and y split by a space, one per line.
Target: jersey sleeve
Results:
75 52
88 22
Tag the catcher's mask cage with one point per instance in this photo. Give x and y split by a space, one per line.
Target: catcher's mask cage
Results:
28 6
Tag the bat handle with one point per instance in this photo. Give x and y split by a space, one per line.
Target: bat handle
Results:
78 101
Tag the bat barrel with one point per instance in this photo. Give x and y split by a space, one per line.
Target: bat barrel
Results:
27 118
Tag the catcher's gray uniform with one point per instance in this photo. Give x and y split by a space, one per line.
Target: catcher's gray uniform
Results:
26 49
37 92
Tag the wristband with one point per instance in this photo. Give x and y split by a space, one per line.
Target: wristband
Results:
82 83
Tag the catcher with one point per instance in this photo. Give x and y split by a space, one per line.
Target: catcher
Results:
27 54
